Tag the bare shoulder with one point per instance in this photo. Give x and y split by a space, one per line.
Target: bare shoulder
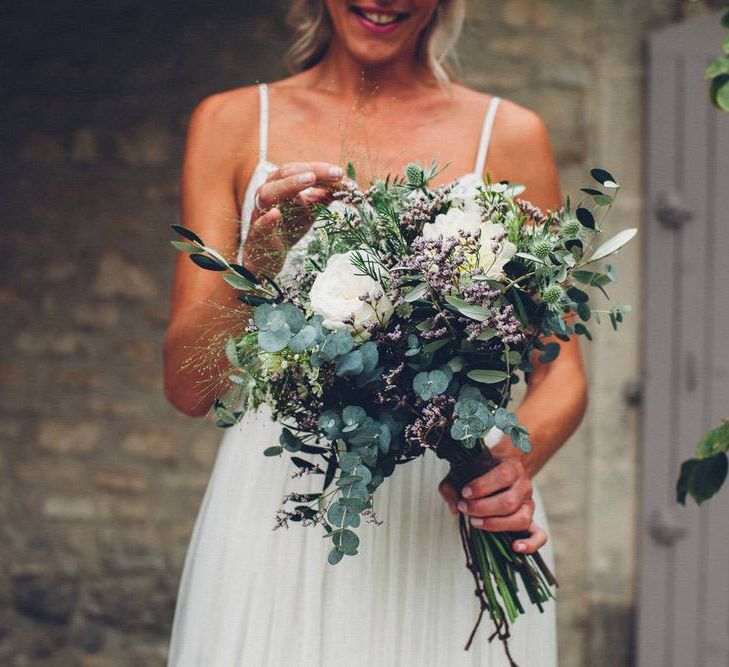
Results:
225 123
521 152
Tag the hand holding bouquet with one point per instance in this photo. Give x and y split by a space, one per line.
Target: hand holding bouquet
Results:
413 313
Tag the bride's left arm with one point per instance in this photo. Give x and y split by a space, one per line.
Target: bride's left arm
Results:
556 397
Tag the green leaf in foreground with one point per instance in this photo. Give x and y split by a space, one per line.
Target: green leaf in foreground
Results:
714 442
702 478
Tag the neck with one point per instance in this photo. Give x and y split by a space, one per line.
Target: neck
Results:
342 74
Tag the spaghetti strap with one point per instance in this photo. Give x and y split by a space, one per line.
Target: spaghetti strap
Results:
263 122
488 125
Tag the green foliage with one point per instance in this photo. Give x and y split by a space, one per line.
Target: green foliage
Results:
702 477
717 73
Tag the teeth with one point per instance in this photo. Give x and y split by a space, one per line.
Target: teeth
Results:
380 19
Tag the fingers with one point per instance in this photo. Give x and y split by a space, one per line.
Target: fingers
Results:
501 477
500 504
449 493
273 192
325 171
264 240
517 521
288 181
528 545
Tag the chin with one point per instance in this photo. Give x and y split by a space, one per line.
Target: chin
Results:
376 35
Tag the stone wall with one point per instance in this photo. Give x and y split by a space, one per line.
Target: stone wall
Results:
101 479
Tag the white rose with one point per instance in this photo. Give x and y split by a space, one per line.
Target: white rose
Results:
452 224
465 190
493 255
336 292
494 250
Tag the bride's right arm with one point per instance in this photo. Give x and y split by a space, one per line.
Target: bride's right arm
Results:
220 130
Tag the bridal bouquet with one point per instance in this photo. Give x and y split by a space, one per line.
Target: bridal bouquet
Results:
414 313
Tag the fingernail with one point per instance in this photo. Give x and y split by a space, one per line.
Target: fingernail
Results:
307 177
336 172
452 507
466 492
477 523
520 547
462 506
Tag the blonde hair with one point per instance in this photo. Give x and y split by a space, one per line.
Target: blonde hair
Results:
313 33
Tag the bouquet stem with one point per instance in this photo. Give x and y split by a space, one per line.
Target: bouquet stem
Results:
495 567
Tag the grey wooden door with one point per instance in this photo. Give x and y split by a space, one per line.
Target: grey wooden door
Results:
683 584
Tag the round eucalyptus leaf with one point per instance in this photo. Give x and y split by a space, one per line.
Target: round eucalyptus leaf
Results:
303 340
292 316
275 450
353 416
289 441
335 555
347 541
330 423
274 341
350 364
349 461
370 356
363 472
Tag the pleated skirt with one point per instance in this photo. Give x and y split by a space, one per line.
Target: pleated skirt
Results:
253 596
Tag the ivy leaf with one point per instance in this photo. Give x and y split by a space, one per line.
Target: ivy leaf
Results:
714 442
719 92
717 68
702 478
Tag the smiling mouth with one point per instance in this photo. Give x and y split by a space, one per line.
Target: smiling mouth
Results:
379 18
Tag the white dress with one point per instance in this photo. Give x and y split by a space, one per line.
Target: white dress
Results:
251 596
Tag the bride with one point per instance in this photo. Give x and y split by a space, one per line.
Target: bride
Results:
370 86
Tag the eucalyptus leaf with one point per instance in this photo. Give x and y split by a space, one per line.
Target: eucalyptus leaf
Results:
585 217
186 233
274 341
469 310
231 352
207 263
602 176
350 364
238 282
416 293
488 376
613 244
185 247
